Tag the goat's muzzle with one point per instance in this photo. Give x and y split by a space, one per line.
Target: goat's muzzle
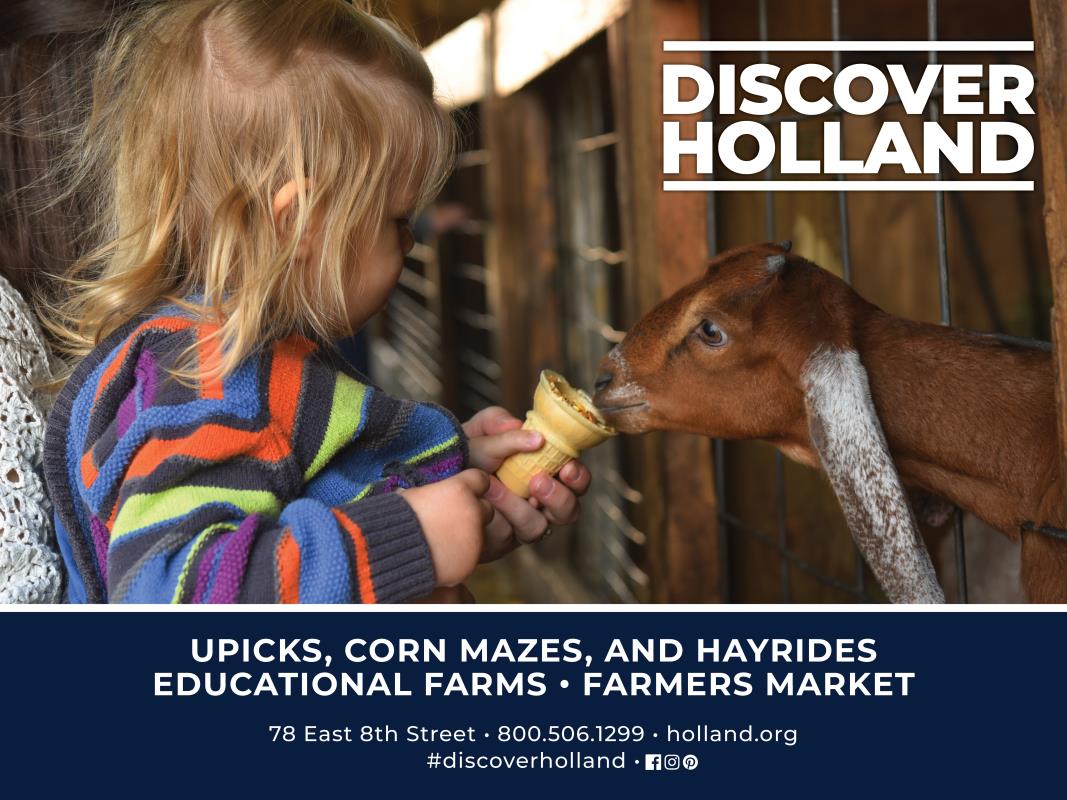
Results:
621 401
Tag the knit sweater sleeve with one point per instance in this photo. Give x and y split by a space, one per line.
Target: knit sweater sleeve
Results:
29 565
248 489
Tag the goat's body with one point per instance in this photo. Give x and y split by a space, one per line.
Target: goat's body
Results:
742 353
972 419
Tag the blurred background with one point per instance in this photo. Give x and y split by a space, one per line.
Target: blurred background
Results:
553 237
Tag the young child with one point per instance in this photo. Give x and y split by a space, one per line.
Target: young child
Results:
258 162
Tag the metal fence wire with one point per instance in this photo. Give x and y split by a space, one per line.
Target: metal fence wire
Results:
608 548
473 373
409 354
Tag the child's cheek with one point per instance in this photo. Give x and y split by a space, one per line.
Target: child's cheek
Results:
381 267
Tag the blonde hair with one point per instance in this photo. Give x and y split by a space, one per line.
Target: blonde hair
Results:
202 111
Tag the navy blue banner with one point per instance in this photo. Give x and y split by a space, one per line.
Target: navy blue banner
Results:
140 704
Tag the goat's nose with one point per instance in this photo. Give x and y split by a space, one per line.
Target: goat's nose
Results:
603 381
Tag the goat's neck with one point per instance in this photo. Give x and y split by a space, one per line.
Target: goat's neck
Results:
967 418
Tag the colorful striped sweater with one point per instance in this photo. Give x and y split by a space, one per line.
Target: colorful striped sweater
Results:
276 484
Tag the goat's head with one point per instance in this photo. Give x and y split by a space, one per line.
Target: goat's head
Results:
724 356
761 347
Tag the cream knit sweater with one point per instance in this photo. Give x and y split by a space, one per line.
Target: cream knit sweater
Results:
30 568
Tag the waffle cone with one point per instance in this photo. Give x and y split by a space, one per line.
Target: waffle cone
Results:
567 432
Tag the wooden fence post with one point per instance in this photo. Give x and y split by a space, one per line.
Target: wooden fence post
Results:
1050 44
667 248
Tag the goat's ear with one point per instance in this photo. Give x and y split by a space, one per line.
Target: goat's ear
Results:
848 437
776 263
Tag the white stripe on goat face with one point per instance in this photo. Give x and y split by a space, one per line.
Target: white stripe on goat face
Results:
848 436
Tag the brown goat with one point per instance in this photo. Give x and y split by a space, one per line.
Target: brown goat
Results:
767 345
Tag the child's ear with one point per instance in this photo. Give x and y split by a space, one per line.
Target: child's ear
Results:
285 200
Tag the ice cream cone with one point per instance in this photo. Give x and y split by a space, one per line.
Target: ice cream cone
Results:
567 431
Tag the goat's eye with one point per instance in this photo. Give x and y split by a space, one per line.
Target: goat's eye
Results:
711 334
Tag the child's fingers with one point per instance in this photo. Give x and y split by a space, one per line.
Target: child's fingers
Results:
490 421
499 539
560 503
528 523
487 512
499 420
476 480
576 477
489 452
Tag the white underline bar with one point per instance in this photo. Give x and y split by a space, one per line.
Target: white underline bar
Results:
848 186
867 46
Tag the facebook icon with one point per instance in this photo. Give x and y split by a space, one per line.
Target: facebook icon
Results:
653 761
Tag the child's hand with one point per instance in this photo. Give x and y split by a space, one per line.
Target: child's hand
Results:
494 435
453 516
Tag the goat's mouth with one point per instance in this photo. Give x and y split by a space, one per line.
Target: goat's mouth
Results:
620 408
625 417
